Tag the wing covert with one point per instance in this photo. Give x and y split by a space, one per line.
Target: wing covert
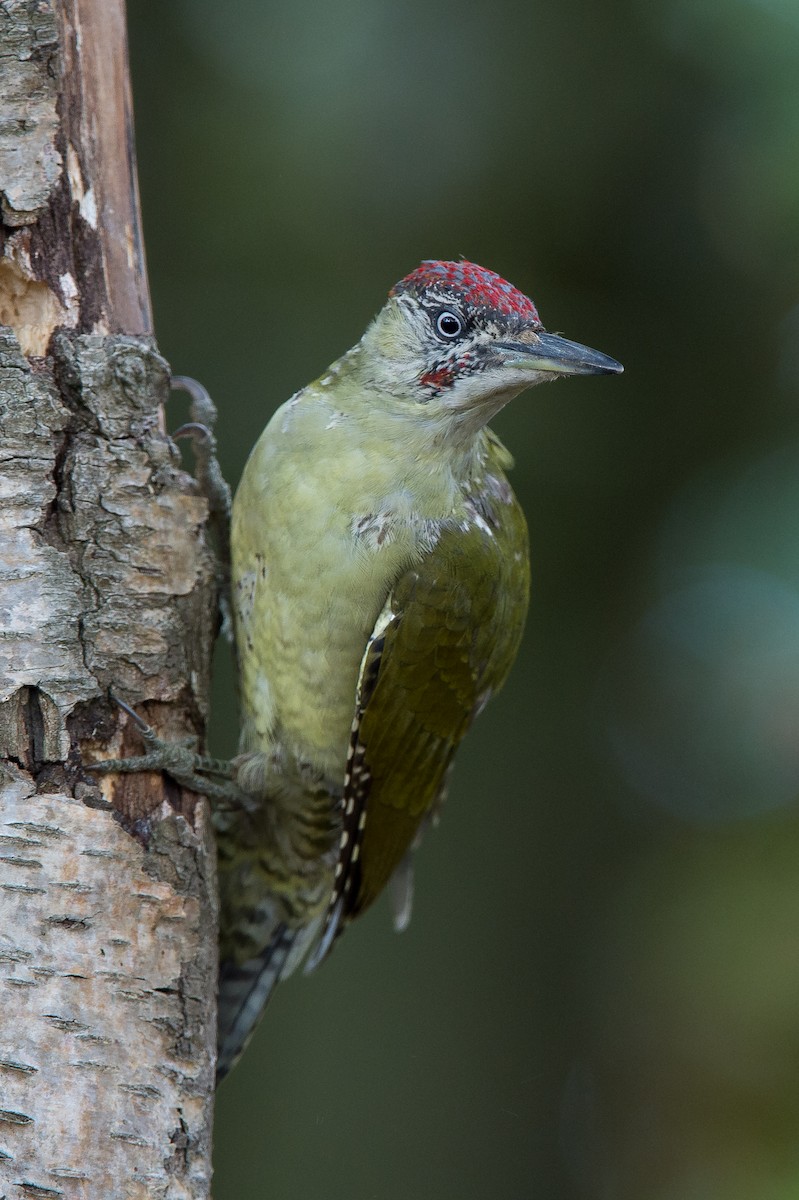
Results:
442 645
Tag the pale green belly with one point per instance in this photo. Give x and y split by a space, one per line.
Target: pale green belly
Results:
304 617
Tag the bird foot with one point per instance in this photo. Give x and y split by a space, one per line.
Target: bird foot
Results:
208 473
210 777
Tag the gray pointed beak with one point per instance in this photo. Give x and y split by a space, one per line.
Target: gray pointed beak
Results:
549 352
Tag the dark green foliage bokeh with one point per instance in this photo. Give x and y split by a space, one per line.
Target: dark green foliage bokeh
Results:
598 996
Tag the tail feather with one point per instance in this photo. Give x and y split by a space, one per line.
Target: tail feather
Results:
244 989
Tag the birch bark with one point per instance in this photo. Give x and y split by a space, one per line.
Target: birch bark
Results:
107 888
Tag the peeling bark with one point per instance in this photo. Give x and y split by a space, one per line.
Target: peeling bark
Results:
107 888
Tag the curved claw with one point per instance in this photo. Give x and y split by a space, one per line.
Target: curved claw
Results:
203 410
194 427
146 730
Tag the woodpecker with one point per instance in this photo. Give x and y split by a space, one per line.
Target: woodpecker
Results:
380 579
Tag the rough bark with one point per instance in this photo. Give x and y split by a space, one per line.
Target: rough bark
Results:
107 890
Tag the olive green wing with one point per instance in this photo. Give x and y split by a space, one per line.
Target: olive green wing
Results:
443 644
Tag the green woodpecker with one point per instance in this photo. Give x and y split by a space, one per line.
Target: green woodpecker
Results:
379 589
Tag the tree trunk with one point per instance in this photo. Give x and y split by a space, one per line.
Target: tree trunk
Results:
107 888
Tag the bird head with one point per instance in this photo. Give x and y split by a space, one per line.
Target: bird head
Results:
461 341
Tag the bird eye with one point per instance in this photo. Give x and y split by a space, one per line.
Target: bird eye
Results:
448 324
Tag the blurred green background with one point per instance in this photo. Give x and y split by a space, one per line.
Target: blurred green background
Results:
598 996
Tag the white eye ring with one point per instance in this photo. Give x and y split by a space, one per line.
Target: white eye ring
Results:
448 324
